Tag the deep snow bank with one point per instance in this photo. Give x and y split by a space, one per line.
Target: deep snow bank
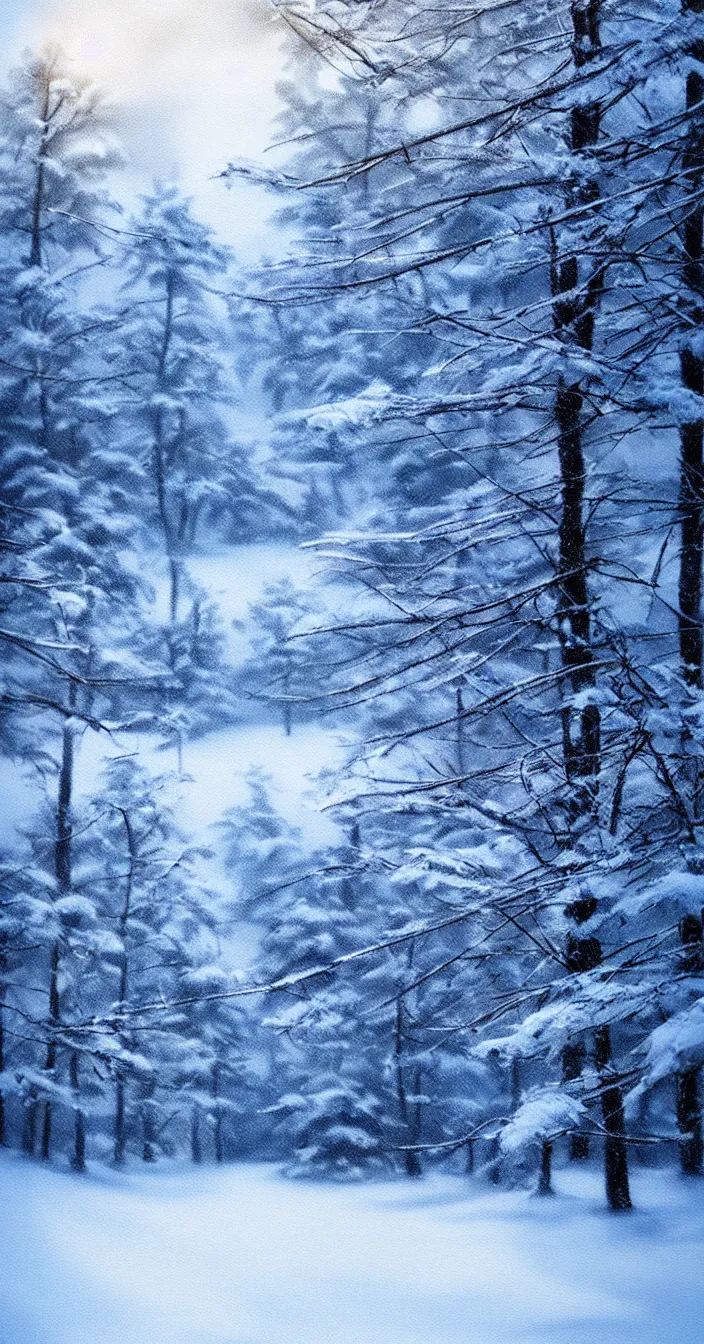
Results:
242 1257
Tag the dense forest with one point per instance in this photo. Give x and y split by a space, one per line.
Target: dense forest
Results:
478 377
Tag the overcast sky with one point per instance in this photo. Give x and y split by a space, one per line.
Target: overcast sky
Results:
194 80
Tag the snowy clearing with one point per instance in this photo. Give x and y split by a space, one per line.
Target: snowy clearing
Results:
240 1256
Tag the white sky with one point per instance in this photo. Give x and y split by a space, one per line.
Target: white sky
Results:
194 80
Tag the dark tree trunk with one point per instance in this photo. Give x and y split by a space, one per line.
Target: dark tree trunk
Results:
29 1127
575 300
119 1135
196 1148
175 588
78 1161
64 836
691 511
62 870
50 1061
54 1002
691 516
160 452
615 1148
148 1125
119 1131
3 1136
148 1120
413 1162
148 1150
411 1159
459 733
217 1113
3 991
515 1083
287 707
573 1056
35 255
692 367
689 1119
582 955
417 1111
689 1110
581 728
494 1171
46 1130
469 1167
545 1181
217 1137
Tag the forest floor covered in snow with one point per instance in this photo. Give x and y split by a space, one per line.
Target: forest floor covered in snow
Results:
241 1256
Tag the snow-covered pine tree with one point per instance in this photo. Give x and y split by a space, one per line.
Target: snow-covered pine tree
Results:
162 929
280 669
68 592
194 474
555 167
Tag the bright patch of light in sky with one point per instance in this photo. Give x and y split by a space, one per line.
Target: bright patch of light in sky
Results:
194 81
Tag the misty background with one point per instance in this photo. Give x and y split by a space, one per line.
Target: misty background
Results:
192 87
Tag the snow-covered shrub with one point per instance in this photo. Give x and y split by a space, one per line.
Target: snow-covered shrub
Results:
337 1134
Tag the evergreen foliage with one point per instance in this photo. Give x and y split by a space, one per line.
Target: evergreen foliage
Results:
484 371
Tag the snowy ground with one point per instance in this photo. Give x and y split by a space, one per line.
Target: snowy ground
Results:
240 1256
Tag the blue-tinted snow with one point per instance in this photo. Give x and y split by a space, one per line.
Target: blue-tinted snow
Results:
240 1256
